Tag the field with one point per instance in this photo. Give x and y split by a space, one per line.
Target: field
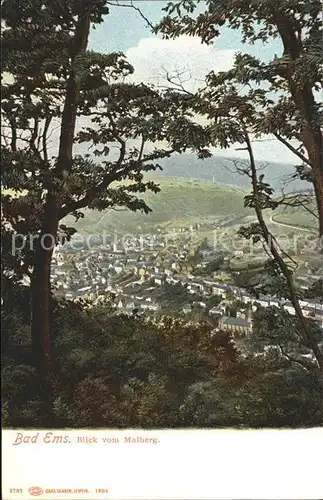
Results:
297 216
300 219
180 202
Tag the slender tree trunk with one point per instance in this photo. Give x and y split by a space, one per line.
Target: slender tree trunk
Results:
314 145
307 334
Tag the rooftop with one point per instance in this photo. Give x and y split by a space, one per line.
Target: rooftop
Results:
235 321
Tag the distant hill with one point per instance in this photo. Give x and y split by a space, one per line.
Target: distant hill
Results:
221 170
180 202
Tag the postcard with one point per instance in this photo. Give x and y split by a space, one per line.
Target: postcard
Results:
162 223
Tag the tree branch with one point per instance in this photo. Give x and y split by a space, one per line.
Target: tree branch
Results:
44 137
132 6
141 151
291 148
105 182
280 261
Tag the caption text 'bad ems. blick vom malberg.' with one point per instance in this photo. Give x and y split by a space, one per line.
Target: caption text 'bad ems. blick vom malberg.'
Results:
52 438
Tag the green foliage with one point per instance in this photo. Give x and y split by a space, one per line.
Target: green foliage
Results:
275 327
124 371
173 298
268 400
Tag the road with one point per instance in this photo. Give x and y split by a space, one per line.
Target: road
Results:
290 226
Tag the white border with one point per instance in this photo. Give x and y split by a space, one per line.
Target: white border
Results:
190 465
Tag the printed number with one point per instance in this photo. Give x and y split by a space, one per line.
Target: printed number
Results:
101 491
15 490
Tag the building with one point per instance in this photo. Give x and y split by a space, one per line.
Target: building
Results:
200 304
215 310
221 290
240 327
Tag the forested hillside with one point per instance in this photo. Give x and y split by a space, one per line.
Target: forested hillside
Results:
221 170
180 201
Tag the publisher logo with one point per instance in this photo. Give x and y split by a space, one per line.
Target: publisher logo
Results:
35 491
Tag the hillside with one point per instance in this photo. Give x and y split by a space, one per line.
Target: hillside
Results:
297 216
221 170
181 201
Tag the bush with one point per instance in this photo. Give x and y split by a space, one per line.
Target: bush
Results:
125 371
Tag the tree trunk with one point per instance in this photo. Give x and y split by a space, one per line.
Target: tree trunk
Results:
311 136
303 97
314 145
41 297
41 320
308 336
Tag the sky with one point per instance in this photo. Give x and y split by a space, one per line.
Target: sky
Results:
126 31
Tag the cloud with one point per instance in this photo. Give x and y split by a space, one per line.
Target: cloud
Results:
268 150
152 58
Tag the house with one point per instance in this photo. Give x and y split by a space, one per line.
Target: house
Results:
199 286
242 314
135 270
241 327
221 290
83 290
223 306
216 310
201 304
187 309
154 307
289 308
142 273
246 299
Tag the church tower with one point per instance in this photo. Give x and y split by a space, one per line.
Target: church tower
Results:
249 319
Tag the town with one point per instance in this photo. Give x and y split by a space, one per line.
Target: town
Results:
153 273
